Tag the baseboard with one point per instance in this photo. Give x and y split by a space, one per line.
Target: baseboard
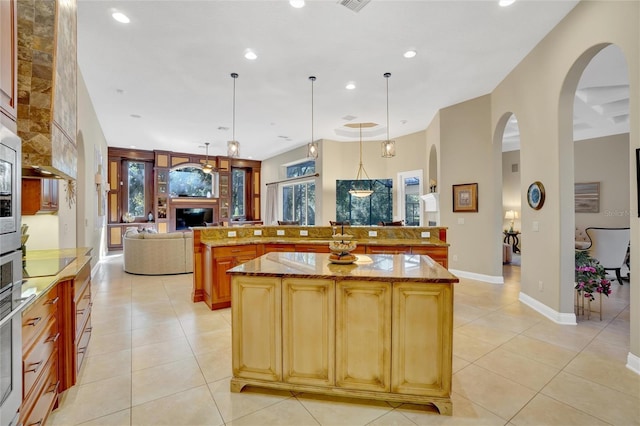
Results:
478 277
633 363
555 316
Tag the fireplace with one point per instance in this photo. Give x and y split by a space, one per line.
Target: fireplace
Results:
192 216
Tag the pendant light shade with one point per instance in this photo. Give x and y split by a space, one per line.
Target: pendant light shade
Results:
206 167
312 147
388 146
233 146
358 190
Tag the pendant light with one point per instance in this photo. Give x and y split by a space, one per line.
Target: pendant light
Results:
357 189
312 147
206 167
233 146
388 146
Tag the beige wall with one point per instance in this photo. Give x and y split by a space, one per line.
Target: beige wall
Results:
604 160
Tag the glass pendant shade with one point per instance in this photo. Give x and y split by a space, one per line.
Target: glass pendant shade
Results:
388 146
357 189
233 146
206 167
312 147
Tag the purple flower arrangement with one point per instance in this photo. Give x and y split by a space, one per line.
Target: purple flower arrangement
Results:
590 276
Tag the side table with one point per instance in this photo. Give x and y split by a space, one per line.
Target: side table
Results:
511 237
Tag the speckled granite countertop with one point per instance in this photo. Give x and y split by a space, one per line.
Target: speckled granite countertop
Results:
221 242
40 285
367 267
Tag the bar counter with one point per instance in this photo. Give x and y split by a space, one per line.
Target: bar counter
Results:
380 328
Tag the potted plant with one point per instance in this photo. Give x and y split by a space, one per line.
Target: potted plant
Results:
590 276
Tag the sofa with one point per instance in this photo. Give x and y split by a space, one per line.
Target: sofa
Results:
148 253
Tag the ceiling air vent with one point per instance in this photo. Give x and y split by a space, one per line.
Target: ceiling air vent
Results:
355 5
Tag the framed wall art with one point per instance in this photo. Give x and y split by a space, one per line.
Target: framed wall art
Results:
587 197
465 198
535 195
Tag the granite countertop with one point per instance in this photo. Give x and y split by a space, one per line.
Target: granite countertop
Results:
40 285
221 242
368 267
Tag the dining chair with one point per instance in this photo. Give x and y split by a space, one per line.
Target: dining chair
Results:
609 246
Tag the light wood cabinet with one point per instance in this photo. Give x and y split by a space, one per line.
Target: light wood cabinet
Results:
39 195
8 64
308 331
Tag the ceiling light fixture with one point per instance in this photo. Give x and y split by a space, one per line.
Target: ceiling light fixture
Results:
312 150
297 3
251 55
120 17
233 146
357 189
505 3
206 167
350 86
388 146
410 54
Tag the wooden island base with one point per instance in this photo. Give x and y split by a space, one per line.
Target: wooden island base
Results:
381 328
443 404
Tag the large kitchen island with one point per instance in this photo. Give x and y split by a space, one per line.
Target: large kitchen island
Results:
380 328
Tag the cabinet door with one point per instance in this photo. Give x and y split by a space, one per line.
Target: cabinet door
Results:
257 336
8 60
222 284
208 276
422 339
363 335
308 330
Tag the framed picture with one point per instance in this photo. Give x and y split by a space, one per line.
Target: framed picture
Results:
535 195
587 197
465 198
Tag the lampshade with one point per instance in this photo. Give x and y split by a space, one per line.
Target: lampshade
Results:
511 214
312 147
206 167
388 146
233 146
358 191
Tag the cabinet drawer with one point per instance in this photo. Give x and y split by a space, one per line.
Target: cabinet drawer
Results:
83 344
313 248
439 254
35 318
233 251
269 248
388 249
83 309
35 359
36 409
81 280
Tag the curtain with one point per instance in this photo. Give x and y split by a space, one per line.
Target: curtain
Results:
271 215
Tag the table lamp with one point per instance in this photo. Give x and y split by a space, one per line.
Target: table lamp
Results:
511 215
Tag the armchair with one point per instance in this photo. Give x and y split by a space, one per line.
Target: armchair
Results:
609 246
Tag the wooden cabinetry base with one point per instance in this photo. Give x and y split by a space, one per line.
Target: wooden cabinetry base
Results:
443 404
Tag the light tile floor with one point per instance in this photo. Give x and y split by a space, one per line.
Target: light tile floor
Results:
156 358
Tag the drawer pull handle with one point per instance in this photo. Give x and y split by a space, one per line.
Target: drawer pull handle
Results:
52 301
38 423
80 311
82 350
33 321
53 338
87 296
53 387
33 367
88 329
236 251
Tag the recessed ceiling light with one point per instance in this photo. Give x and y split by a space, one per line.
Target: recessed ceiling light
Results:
505 3
296 3
350 86
250 54
120 17
410 54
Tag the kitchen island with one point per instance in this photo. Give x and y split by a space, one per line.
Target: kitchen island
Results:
380 328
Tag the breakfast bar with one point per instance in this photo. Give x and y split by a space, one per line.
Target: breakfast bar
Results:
378 328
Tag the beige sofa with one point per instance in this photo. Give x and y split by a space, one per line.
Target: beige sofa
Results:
158 254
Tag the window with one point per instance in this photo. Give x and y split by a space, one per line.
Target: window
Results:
135 188
299 197
412 201
371 210
238 193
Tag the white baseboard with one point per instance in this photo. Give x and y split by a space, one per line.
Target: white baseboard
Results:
478 277
633 363
555 316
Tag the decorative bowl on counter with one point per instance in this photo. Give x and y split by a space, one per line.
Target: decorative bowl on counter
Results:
341 249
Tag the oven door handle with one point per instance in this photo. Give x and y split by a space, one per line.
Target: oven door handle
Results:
25 301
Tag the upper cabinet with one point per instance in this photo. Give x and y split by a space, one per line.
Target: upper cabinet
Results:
39 196
8 63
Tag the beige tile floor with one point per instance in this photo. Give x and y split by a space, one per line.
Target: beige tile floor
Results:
156 358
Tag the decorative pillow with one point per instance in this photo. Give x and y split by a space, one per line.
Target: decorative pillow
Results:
130 232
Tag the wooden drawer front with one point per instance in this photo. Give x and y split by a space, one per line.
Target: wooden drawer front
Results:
388 249
38 407
234 251
81 280
83 344
35 359
268 248
35 318
313 248
439 254
83 309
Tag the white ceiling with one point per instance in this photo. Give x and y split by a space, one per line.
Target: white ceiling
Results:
171 67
